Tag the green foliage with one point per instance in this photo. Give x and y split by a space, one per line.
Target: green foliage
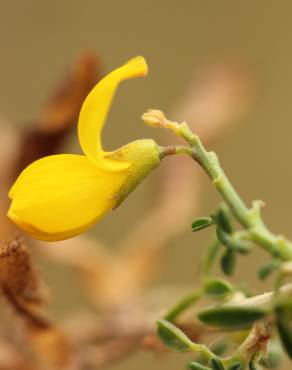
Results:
216 364
235 366
267 268
231 317
173 337
201 223
285 330
220 347
232 242
197 366
252 365
223 219
217 288
228 261
236 315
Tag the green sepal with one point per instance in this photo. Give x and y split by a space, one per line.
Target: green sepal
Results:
144 155
201 223
231 317
217 288
173 337
228 261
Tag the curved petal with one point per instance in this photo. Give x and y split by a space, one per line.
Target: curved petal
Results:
95 108
60 196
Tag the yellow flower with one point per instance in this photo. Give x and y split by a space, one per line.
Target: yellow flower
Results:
60 196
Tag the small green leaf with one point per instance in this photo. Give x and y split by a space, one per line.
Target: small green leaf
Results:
231 317
252 365
285 330
228 261
235 366
217 287
233 242
224 237
217 364
242 246
201 223
220 347
223 219
196 366
173 337
267 268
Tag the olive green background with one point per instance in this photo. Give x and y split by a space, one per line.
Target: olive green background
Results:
39 39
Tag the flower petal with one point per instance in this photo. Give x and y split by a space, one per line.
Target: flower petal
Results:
60 196
95 108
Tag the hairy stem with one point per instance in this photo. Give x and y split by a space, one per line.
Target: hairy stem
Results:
249 218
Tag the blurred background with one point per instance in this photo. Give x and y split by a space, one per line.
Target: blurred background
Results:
190 46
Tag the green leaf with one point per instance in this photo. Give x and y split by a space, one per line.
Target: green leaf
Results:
217 288
232 242
228 261
223 219
196 366
252 365
217 364
285 330
235 366
267 268
201 223
173 337
231 317
219 347
224 237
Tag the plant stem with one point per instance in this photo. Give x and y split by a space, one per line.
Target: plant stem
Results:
182 305
250 219
264 300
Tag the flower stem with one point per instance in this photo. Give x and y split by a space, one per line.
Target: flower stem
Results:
249 218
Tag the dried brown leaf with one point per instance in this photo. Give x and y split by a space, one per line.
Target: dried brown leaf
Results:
18 276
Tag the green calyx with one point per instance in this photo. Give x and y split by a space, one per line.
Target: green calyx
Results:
144 155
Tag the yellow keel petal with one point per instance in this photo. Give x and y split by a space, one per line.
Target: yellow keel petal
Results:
60 196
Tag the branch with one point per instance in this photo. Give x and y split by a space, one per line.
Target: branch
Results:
249 218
